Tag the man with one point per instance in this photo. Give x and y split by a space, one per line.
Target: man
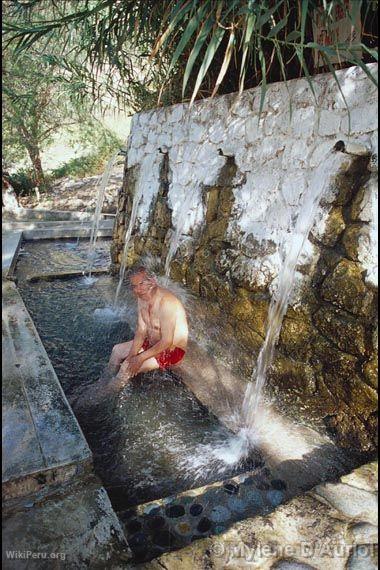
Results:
161 336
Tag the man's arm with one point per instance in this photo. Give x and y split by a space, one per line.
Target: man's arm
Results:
139 337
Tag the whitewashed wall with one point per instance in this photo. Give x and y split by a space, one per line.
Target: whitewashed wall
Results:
276 158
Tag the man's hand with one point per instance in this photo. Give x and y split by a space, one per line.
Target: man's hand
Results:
134 365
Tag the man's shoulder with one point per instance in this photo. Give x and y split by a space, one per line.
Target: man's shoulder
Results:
167 297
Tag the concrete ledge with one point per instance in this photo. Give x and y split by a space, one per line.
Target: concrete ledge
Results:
10 247
64 275
25 214
49 437
68 231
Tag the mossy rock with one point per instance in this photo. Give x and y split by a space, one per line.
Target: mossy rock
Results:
162 217
247 336
356 394
351 240
193 280
296 338
370 371
351 432
347 180
343 330
212 201
203 261
357 204
215 230
334 227
210 285
178 271
251 311
226 295
345 288
331 360
293 374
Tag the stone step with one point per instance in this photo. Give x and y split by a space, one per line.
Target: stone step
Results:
64 274
22 453
61 443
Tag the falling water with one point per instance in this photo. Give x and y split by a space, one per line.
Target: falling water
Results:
123 264
174 241
292 248
102 185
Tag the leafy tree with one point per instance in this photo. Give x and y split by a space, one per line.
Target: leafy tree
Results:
35 108
143 49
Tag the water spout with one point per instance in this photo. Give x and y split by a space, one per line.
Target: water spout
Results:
356 149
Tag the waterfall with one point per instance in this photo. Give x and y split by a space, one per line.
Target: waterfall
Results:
191 199
175 238
102 185
291 247
123 263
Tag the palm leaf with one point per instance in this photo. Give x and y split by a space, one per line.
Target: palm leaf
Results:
199 42
180 11
187 34
263 78
213 45
278 27
226 62
250 24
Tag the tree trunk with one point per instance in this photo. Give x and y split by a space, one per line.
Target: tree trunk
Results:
34 154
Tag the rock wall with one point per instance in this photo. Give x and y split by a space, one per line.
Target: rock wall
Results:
230 185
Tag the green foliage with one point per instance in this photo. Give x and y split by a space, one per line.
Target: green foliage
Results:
137 50
23 181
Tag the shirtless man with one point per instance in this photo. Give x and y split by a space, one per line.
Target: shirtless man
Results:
161 337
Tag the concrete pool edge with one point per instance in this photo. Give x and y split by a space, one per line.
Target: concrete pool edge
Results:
58 465
58 435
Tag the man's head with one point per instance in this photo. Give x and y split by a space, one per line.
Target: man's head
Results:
142 282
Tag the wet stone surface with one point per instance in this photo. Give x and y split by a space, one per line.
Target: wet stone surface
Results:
48 256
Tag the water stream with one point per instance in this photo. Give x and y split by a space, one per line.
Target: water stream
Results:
190 201
291 247
102 185
124 256
183 215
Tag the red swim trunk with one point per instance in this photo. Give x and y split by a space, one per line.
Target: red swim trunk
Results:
168 357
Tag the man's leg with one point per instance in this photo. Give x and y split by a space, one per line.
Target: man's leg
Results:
123 375
118 355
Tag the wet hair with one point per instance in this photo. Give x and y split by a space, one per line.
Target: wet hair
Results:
138 268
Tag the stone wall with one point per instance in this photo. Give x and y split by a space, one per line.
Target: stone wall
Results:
231 185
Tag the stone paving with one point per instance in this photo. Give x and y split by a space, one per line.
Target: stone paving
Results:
334 526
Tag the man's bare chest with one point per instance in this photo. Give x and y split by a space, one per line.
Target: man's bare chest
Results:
150 317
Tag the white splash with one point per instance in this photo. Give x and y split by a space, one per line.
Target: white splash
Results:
109 314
